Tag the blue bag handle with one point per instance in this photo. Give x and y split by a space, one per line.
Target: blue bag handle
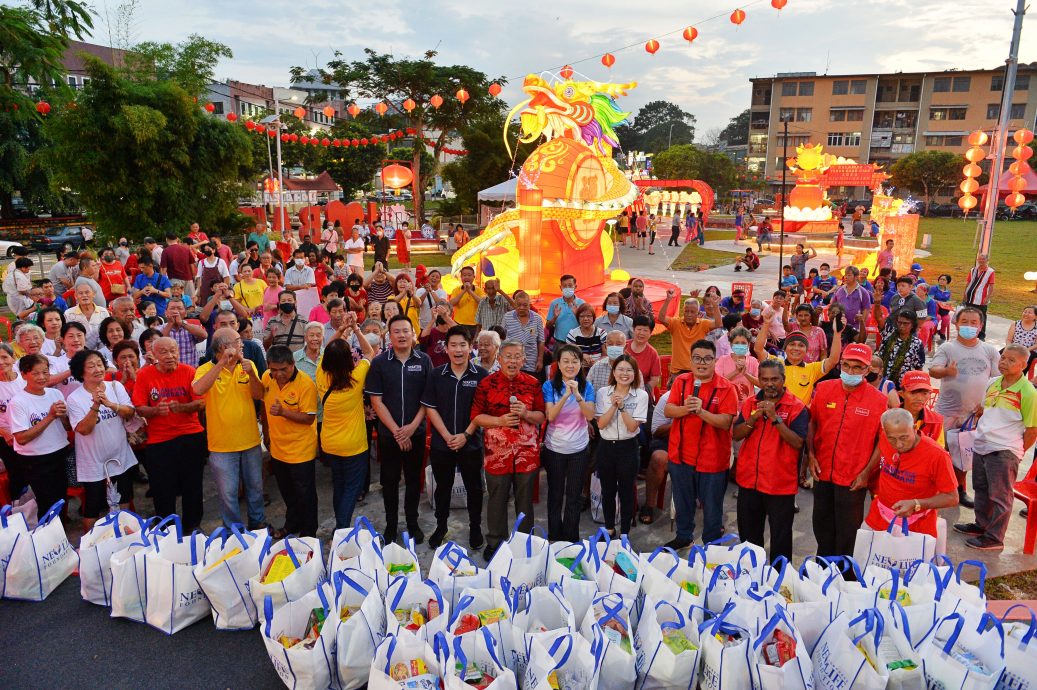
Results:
4 512
491 647
362 522
612 612
400 583
453 554
237 531
408 543
752 558
171 519
579 558
894 587
903 617
515 526
681 620
554 649
462 604
873 623
323 597
716 574
462 659
820 560
193 539
772 623
1033 621
725 539
291 552
268 613
942 559
216 534
982 567
717 620
342 578
937 578
847 564
995 622
694 554
959 623
54 511
903 526
390 651
784 563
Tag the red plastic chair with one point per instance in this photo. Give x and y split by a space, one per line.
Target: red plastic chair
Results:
5 489
6 323
1026 491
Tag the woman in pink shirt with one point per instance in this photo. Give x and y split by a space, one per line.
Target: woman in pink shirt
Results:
740 367
270 296
817 342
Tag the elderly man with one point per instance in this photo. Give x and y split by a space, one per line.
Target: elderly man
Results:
492 307
88 314
772 426
1007 429
290 431
526 327
306 359
841 442
163 395
509 408
336 318
299 276
229 386
599 373
187 335
687 330
855 300
979 288
287 328
249 348
89 273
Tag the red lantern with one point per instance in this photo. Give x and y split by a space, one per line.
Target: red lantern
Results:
345 143
494 89
690 34
260 128
737 17
1020 168
969 185
293 138
975 154
328 111
286 138
1023 136
779 4
232 117
1021 153
353 110
566 71
250 125
608 59
304 140
396 176
271 133
967 202
1014 200
652 46
314 141
356 142
380 108
462 96
1017 184
363 142
210 108
972 170
978 138
43 107
436 100
411 131
300 112
409 105
325 142
385 138
336 143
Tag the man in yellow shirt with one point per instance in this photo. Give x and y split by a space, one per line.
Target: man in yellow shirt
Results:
229 385
465 300
290 431
687 330
800 376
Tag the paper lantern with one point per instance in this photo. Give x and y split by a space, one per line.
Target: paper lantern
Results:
353 110
690 34
566 72
436 100
328 111
299 112
1022 153
969 185
411 131
1023 136
250 125
260 128
779 4
409 105
1017 184
608 59
494 89
972 170
975 154
1020 168
325 142
967 202
652 46
209 108
355 142
293 137
271 133
286 138
232 117
380 108
314 141
1014 200
345 143
364 142
737 17
462 96
43 107
396 176
978 138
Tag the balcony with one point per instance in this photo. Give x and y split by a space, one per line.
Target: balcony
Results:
759 124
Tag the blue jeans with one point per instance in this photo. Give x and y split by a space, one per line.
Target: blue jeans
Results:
689 487
229 470
348 479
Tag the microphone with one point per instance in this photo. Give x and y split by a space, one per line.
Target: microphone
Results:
695 390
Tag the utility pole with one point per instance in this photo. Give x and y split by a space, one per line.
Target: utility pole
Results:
1000 138
781 209
669 138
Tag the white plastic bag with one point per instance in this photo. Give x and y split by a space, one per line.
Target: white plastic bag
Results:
458 492
305 554
1020 652
455 571
606 555
129 595
397 561
597 512
724 666
840 664
230 559
27 506
795 674
307 664
959 654
484 604
730 550
358 547
960 596
40 559
409 594
407 650
565 662
544 612
522 559
360 634
174 599
576 581
108 535
612 613
12 529
960 442
896 547
479 653
658 666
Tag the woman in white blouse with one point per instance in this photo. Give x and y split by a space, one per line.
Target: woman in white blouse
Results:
621 408
11 384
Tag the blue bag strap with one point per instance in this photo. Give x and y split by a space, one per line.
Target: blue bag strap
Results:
894 587
556 590
323 597
724 540
681 621
930 568
769 627
752 558
847 563
491 647
981 566
959 623
463 603
894 604
529 538
1033 621
268 613
717 620
462 659
439 594
400 584
408 543
341 578
173 519
216 534
54 511
872 624
553 650
4 512
193 539
239 533
291 552
625 542
716 574
266 547
612 612
995 623
820 560
518 521
668 551
453 554
903 526
362 522
389 652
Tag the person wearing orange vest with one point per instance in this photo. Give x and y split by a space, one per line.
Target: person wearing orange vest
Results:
841 442
772 426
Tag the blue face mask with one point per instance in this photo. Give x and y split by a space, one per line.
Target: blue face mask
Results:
851 380
612 308
740 349
568 293
968 332
613 351
755 313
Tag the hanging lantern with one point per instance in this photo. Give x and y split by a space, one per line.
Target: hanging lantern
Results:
972 170
1014 200
250 125
690 34
210 108
494 89
353 110
385 138
462 96
328 111
975 154
566 72
1020 168
967 202
293 138
260 128
356 142
779 4
1017 184
1022 153
737 17
608 59
232 117
409 105
396 176
286 138
325 142
345 143
43 107
299 112
969 185
1023 136
411 131
336 143
271 133
380 108
978 138
652 46
363 142
436 100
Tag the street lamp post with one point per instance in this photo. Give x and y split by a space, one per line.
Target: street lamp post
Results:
781 209
276 119
669 137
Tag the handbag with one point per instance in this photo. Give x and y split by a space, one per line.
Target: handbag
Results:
959 443
40 560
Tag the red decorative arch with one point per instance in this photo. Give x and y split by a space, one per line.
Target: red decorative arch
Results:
704 190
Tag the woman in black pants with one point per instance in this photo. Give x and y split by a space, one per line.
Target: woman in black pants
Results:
621 408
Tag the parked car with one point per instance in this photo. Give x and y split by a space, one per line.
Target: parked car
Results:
7 247
944 211
60 238
1027 211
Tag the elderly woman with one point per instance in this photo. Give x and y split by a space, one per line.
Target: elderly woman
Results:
588 337
11 384
307 358
31 340
487 345
901 349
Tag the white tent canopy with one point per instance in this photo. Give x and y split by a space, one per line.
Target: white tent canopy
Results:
505 191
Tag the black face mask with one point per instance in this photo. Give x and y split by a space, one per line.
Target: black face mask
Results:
440 321
207 252
286 307
871 376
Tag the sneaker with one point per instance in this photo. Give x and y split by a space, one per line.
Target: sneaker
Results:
738 267
969 528
437 538
475 539
416 534
677 544
984 544
487 554
965 500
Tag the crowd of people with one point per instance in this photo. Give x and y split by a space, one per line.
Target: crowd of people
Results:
177 356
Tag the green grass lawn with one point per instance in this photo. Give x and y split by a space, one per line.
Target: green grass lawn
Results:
430 259
693 257
1015 586
1013 252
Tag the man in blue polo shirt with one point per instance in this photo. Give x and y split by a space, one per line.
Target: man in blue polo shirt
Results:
456 440
561 313
395 384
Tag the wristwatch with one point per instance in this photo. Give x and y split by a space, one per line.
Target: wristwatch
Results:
918 505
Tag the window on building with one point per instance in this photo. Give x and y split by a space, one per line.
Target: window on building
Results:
858 86
993 111
883 119
804 114
759 121
943 140
961 84
844 138
1022 82
941 85
835 138
905 119
72 81
787 114
217 108
836 115
789 88
887 92
855 116
909 92
947 113
840 87
806 88
997 82
1017 112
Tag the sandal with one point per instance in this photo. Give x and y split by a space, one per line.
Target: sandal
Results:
646 515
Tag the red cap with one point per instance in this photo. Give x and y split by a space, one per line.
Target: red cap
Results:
857 352
916 381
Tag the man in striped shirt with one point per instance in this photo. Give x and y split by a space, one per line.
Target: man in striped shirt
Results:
979 288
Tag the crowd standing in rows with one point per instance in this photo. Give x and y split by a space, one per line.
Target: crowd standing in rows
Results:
188 354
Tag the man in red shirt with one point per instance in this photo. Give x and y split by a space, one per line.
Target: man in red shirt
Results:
178 263
509 407
773 427
916 477
841 441
702 407
197 235
164 396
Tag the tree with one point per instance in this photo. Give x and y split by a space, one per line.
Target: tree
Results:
925 172
690 162
191 63
145 158
487 162
353 168
656 127
392 81
736 132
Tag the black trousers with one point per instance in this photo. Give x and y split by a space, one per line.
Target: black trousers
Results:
838 513
297 482
675 233
756 508
396 462
565 473
175 468
47 476
617 468
445 464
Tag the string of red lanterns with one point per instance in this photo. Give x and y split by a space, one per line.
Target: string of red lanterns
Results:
1020 168
967 201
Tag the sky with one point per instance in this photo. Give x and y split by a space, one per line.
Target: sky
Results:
708 78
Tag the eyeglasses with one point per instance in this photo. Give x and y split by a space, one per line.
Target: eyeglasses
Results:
702 360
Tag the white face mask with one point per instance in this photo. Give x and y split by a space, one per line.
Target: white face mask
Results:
299 263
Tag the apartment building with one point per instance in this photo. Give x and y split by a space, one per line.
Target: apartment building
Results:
73 61
879 118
